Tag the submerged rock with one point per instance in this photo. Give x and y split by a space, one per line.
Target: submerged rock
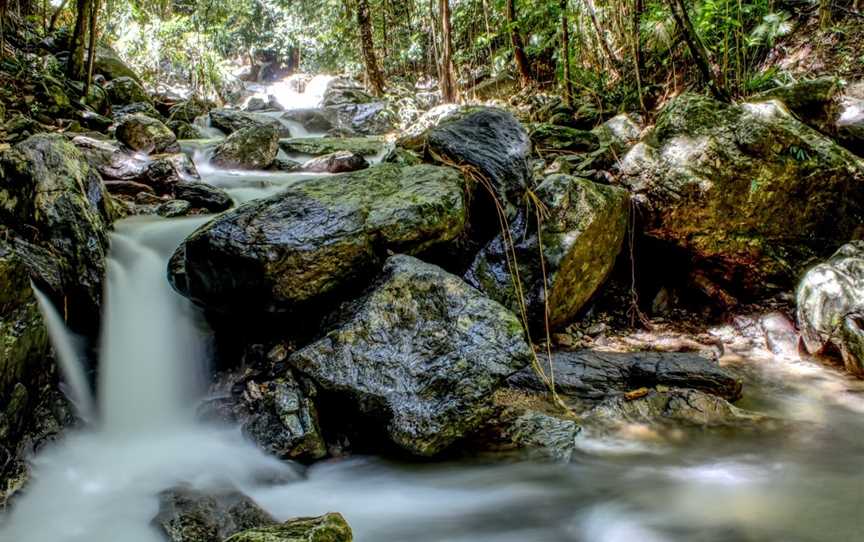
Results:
420 354
581 237
831 307
145 134
338 162
248 148
752 193
330 527
191 515
318 236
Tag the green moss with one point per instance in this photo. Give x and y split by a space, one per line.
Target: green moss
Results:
364 146
331 527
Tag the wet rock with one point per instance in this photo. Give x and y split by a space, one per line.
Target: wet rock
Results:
616 136
420 354
145 134
231 120
830 302
592 374
203 196
815 102
540 433
414 137
185 130
144 108
249 148
312 120
338 162
125 91
781 338
550 138
581 237
94 121
110 160
319 146
318 236
191 515
189 110
752 193
330 527
127 188
285 165
174 208
352 111
52 196
850 125
256 104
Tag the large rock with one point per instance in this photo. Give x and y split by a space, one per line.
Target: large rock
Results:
318 236
191 515
831 307
592 374
352 111
109 64
146 134
850 125
554 139
420 354
49 194
414 137
249 148
126 90
338 162
815 102
330 527
319 146
581 236
312 120
204 196
751 192
232 120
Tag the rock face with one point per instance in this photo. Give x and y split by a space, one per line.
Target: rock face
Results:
48 192
318 236
831 307
189 515
204 196
125 90
581 238
421 353
145 134
231 120
249 148
751 192
338 162
590 374
330 527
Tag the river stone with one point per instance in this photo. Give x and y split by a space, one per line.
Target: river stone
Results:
249 148
752 193
192 515
319 146
539 433
831 307
593 374
312 120
232 120
338 162
125 90
422 352
51 195
550 138
330 527
581 237
145 134
204 196
318 236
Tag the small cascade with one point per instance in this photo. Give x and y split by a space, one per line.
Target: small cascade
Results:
205 125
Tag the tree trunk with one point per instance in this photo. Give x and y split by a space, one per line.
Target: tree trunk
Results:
364 21
614 63
697 49
75 67
448 80
91 50
565 55
53 24
522 64
825 17
637 49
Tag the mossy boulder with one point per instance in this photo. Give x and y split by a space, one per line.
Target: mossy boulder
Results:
232 120
203 196
551 138
420 355
414 137
353 111
146 134
111 66
249 148
580 237
330 527
831 307
126 90
338 162
319 146
318 236
185 130
189 110
815 102
752 193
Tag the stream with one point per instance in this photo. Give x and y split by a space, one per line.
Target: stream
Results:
100 483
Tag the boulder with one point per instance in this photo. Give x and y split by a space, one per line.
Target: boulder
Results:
174 208
581 236
51 195
593 374
420 354
753 194
319 146
109 64
850 125
189 110
414 137
126 90
185 130
146 108
203 196
110 160
554 139
146 134
249 148
815 102
830 302
312 120
165 171
191 515
338 162
232 120
330 527
547 435
318 236
352 111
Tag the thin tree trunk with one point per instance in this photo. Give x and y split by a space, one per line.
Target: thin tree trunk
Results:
448 79
637 49
697 49
614 63
565 55
825 17
53 24
376 80
75 68
91 54
521 58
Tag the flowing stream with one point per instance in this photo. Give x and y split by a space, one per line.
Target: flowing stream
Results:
100 484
